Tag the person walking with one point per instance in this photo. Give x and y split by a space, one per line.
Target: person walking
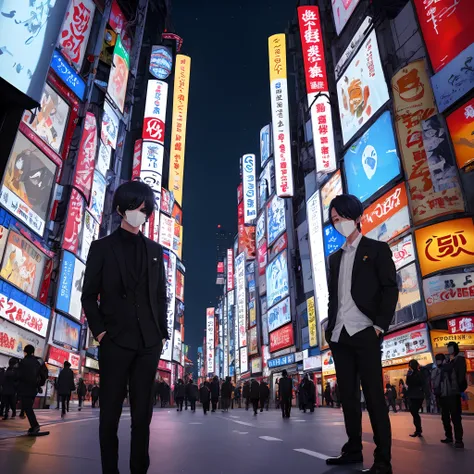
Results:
126 271
254 395
95 395
238 396
10 385
264 396
391 396
215 392
311 394
363 295
205 396
65 386
402 390
81 392
416 395
179 394
226 394
286 394
186 393
328 396
277 394
246 394
193 394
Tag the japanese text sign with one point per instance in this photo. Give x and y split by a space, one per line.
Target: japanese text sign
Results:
250 188
74 220
461 128
282 338
463 324
312 324
13 339
155 111
342 11
68 75
230 269
210 318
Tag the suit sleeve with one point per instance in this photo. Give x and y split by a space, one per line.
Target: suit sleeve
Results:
162 298
91 289
387 275
331 301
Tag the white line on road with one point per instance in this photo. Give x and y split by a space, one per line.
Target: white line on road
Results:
269 438
299 421
312 453
195 423
233 416
235 421
241 432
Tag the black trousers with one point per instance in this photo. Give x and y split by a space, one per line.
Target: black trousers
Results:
205 406
27 406
179 403
286 407
225 403
214 401
9 401
64 403
415 406
192 402
263 404
94 401
358 361
81 400
247 403
119 366
255 405
451 411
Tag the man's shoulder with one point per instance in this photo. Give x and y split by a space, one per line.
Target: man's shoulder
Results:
375 244
153 244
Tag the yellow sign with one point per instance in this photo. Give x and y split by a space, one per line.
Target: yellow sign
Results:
445 245
178 125
425 358
313 333
440 339
277 52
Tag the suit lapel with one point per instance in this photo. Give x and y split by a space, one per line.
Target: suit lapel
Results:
120 256
149 266
359 257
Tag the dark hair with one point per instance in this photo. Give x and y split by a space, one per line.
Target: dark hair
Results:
29 349
284 373
12 362
455 346
67 364
414 365
440 357
131 195
347 206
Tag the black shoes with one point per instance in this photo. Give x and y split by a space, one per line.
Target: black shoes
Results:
459 445
379 469
345 458
416 434
34 431
447 441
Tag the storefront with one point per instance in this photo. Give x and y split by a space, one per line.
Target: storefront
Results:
328 369
276 366
312 364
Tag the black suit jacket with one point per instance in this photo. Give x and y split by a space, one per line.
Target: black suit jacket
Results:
105 279
374 284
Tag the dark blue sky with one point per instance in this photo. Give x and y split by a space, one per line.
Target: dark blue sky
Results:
229 103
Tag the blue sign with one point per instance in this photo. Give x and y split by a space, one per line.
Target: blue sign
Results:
279 361
265 144
372 162
455 80
276 220
333 240
67 74
63 299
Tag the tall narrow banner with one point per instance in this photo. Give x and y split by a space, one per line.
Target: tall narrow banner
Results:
312 324
178 125
317 88
230 269
250 188
241 299
118 79
155 111
280 115
210 320
167 351
74 219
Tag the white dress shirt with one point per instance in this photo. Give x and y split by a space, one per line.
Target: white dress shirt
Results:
348 314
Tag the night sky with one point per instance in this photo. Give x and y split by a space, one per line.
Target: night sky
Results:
229 104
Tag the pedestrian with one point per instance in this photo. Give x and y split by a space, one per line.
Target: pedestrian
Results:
125 270
81 392
264 396
232 396
10 385
311 395
255 395
226 394
179 394
416 395
32 375
205 396
193 394
95 395
65 386
186 393
328 396
391 397
363 295
215 392
277 394
238 396
246 394
165 397
402 390
337 395
286 394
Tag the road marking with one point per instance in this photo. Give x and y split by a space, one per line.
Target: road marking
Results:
299 421
241 432
233 416
312 453
269 438
236 421
195 423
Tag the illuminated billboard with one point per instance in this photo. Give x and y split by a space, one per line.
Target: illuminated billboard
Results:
461 129
118 79
241 298
266 185
155 111
210 331
249 179
279 315
277 279
329 191
265 144
333 240
276 219
342 11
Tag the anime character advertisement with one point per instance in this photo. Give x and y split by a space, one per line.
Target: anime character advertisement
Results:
276 223
277 279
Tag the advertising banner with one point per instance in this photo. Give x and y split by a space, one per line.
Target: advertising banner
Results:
265 144
70 286
262 258
276 219
210 331
449 294
328 367
137 159
280 115
408 286
342 11
85 164
75 31
280 244
447 27
68 75
279 315
90 232
464 324
230 270
312 363
372 162
13 340
103 159
166 231
57 357
333 240
178 125
277 279
402 346
461 128
317 88
413 98
161 61
282 338
388 216
445 245
180 286
403 252
318 262
312 323
241 298
329 191
253 343
66 333
118 79
240 193
151 167
170 262
28 184
167 202
247 241
441 338
266 184
362 89
244 360
96 207
177 346
260 229
281 361
256 365
249 188
110 126
155 111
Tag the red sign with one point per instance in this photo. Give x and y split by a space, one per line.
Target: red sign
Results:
262 258
163 365
282 338
86 157
464 324
247 241
45 284
180 286
137 159
58 356
220 267
230 269
153 129
280 244
117 21
75 216
240 194
447 27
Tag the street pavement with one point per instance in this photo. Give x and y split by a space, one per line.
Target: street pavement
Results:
227 443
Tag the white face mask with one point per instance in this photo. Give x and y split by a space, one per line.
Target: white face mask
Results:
345 228
135 218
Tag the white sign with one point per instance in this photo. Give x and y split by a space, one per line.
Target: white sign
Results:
103 159
210 340
110 126
241 299
166 231
92 363
312 363
250 188
155 111
244 360
315 232
90 232
167 351
403 252
342 10
177 346
13 340
256 365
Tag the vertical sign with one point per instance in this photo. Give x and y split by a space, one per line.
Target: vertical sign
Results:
280 115
210 340
230 269
167 351
317 86
241 299
250 188
178 125
155 111
312 325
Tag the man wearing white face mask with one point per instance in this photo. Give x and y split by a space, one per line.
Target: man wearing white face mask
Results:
125 271
363 294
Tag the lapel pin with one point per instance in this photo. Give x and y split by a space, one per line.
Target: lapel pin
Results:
366 257
155 259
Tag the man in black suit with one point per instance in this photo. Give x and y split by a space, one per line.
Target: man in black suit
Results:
363 294
125 270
